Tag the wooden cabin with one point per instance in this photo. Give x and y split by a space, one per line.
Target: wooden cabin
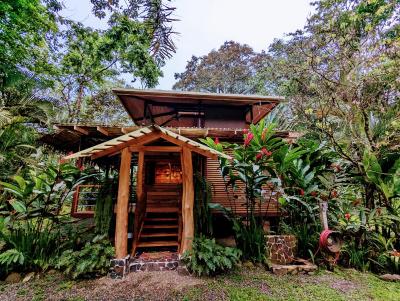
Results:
158 157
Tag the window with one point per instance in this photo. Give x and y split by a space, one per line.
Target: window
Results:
84 201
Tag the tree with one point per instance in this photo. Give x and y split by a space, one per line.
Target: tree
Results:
24 50
230 69
88 58
341 74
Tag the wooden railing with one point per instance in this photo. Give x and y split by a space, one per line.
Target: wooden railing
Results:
140 214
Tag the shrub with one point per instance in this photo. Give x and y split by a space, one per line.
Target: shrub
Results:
93 259
209 258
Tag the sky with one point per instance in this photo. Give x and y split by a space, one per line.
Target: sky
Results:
206 24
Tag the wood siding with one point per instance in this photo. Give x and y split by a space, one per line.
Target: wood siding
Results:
236 199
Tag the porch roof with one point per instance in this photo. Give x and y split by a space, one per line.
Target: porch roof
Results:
115 145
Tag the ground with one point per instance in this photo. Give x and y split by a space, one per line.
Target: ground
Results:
244 284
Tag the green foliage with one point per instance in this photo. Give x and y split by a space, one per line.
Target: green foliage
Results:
30 249
16 148
32 221
202 208
357 256
209 258
104 207
250 239
230 69
92 260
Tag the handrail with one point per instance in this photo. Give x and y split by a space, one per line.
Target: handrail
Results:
140 213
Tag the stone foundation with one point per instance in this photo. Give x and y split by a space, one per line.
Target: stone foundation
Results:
119 267
150 262
281 249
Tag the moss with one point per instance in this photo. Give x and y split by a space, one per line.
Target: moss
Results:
250 284
244 294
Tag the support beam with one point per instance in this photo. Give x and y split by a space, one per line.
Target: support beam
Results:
155 148
118 147
103 131
121 227
81 130
126 130
141 202
140 176
187 145
187 201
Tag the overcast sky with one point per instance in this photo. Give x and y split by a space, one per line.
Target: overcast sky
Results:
206 24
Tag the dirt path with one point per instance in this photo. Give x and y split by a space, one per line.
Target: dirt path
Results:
136 286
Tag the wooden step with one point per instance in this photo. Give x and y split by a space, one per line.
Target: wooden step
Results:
162 209
161 219
158 234
159 243
159 226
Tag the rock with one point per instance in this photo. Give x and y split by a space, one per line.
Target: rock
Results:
51 272
28 277
227 242
183 271
390 277
248 264
13 278
279 271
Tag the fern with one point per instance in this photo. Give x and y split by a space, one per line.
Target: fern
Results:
93 259
209 258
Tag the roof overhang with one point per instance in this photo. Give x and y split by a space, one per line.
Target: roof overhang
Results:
160 105
141 137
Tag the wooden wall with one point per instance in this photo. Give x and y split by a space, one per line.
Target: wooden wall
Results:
234 199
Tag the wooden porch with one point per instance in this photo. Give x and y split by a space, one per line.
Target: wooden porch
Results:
163 215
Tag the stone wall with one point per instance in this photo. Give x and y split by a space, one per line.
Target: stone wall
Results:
281 249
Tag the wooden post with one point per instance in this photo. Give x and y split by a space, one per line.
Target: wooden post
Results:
187 200
139 176
140 208
121 227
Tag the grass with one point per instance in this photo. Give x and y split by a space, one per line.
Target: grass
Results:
257 285
244 284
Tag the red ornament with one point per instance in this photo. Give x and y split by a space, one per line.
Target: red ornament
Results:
334 194
314 193
216 140
301 191
347 216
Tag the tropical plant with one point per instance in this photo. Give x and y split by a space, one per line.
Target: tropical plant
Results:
209 258
202 207
104 206
92 260
340 75
32 215
16 149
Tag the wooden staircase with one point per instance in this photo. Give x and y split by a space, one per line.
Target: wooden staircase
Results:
160 226
160 229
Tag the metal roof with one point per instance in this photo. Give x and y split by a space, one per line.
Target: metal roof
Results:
132 136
